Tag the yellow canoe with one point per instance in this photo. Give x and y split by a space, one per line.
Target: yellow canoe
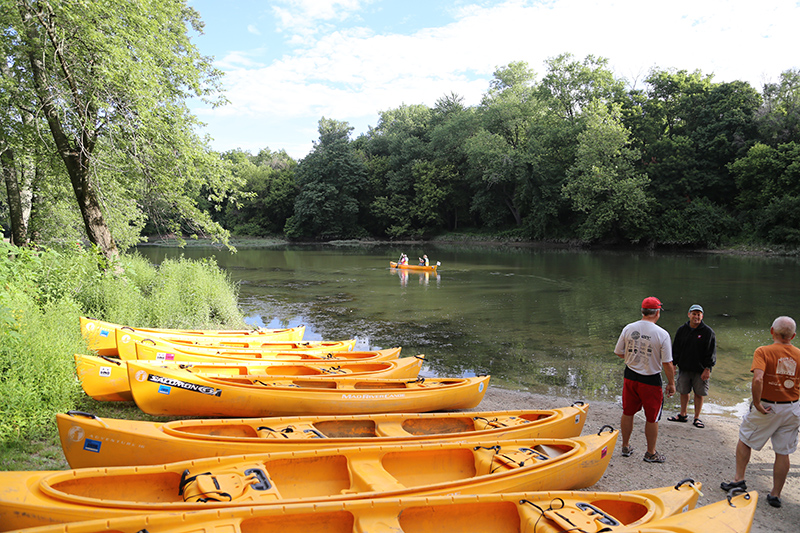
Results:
539 512
106 378
29 499
100 335
126 348
421 268
151 350
733 515
89 441
164 391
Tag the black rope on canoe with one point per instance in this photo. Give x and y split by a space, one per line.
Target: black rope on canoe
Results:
683 482
420 356
186 480
610 428
492 422
496 448
283 432
578 402
127 327
147 339
82 413
333 370
419 380
114 360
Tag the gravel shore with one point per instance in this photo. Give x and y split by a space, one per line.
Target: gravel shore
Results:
706 455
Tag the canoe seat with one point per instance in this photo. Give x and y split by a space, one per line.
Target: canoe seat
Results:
298 431
367 476
223 487
482 423
494 459
585 518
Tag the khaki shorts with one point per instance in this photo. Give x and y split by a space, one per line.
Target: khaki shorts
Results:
690 381
780 425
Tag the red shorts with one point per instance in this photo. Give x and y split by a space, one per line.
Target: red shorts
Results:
637 395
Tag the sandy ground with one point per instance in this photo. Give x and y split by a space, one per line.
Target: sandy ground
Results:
706 455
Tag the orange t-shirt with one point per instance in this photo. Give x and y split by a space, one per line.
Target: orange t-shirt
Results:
781 366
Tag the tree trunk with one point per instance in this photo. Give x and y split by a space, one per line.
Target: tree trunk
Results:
77 152
19 230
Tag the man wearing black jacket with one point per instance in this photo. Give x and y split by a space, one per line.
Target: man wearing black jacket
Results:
694 351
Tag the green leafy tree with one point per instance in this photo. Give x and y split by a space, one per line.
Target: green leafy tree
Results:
603 182
779 117
109 81
268 193
497 152
331 179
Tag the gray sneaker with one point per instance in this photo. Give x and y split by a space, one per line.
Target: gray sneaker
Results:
627 451
654 457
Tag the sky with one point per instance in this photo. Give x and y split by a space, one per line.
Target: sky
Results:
288 63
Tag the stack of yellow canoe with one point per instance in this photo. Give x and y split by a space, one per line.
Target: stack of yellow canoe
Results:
106 379
102 336
329 467
314 476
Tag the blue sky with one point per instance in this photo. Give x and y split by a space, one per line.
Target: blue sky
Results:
290 62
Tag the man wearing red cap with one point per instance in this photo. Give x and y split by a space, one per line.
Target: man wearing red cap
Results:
646 349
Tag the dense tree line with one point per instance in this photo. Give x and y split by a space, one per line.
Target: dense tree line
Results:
573 156
97 141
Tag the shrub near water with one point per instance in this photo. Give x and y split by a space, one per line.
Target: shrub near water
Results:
42 295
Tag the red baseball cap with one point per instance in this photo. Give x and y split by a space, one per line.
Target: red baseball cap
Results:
651 302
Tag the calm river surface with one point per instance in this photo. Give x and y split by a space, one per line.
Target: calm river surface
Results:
536 319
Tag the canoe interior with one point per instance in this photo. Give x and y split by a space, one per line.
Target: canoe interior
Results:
272 480
355 429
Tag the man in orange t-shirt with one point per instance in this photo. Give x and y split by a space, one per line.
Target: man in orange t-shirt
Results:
775 411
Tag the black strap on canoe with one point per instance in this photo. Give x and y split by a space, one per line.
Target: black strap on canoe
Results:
186 480
114 360
283 432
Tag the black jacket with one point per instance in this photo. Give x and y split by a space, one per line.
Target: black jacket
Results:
694 350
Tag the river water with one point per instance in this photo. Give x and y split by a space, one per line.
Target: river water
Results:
537 319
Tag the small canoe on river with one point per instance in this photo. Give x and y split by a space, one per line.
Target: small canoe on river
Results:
106 378
165 391
100 335
90 441
34 498
421 268
513 512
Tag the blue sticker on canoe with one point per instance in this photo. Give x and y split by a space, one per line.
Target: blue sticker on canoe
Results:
104 332
163 389
91 445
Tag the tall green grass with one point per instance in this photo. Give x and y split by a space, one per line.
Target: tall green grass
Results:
44 292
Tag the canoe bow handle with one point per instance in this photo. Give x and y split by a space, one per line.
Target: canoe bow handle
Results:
610 428
735 491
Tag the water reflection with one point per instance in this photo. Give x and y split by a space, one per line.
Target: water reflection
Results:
544 320
424 277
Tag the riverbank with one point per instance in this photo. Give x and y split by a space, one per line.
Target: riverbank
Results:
706 455
476 240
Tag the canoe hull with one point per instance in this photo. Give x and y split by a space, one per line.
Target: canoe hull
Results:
162 391
126 345
106 378
101 336
29 499
162 352
499 513
88 441
420 268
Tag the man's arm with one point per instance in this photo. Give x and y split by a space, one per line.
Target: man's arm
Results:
756 388
669 370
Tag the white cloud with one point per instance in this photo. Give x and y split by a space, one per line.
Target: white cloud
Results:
252 29
350 72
